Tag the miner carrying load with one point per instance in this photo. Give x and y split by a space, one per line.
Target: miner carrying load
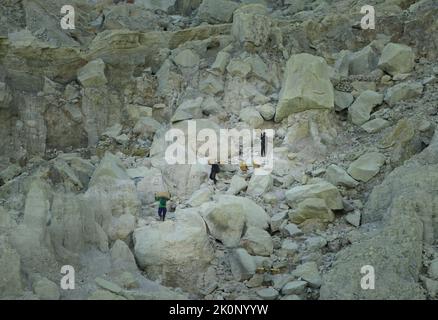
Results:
162 198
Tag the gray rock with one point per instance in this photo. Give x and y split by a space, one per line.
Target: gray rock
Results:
217 11
291 297
343 100
403 91
363 61
221 62
178 260
187 59
267 111
397 58
375 125
294 287
433 269
10 276
359 112
237 184
321 190
243 266
227 217
146 126
309 273
366 166
339 177
257 242
315 243
252 117
46 289
10 172
277 219
267 293
311 208
395 248
238 68
108 285
93 74
290 247
199 197
259 184
212 85
291 230
251 26
305 72
189 109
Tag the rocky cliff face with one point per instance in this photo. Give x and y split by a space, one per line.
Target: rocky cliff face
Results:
84 115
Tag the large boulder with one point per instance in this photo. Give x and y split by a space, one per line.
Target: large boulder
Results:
217 11
397 58
177 251
228 215
251 26
306 86
319 189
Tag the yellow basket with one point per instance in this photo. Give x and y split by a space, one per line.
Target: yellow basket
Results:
163 194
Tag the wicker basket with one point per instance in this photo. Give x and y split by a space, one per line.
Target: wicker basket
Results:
256 165
163 194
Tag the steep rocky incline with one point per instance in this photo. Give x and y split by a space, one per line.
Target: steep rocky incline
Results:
348 210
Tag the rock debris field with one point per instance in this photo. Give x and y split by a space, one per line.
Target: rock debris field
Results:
348 211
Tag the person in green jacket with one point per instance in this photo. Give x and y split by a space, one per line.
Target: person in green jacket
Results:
162 207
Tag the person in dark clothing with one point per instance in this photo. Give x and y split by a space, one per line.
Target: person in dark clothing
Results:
214 170
263 145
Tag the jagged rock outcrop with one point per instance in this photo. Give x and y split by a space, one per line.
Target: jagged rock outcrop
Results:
406 208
